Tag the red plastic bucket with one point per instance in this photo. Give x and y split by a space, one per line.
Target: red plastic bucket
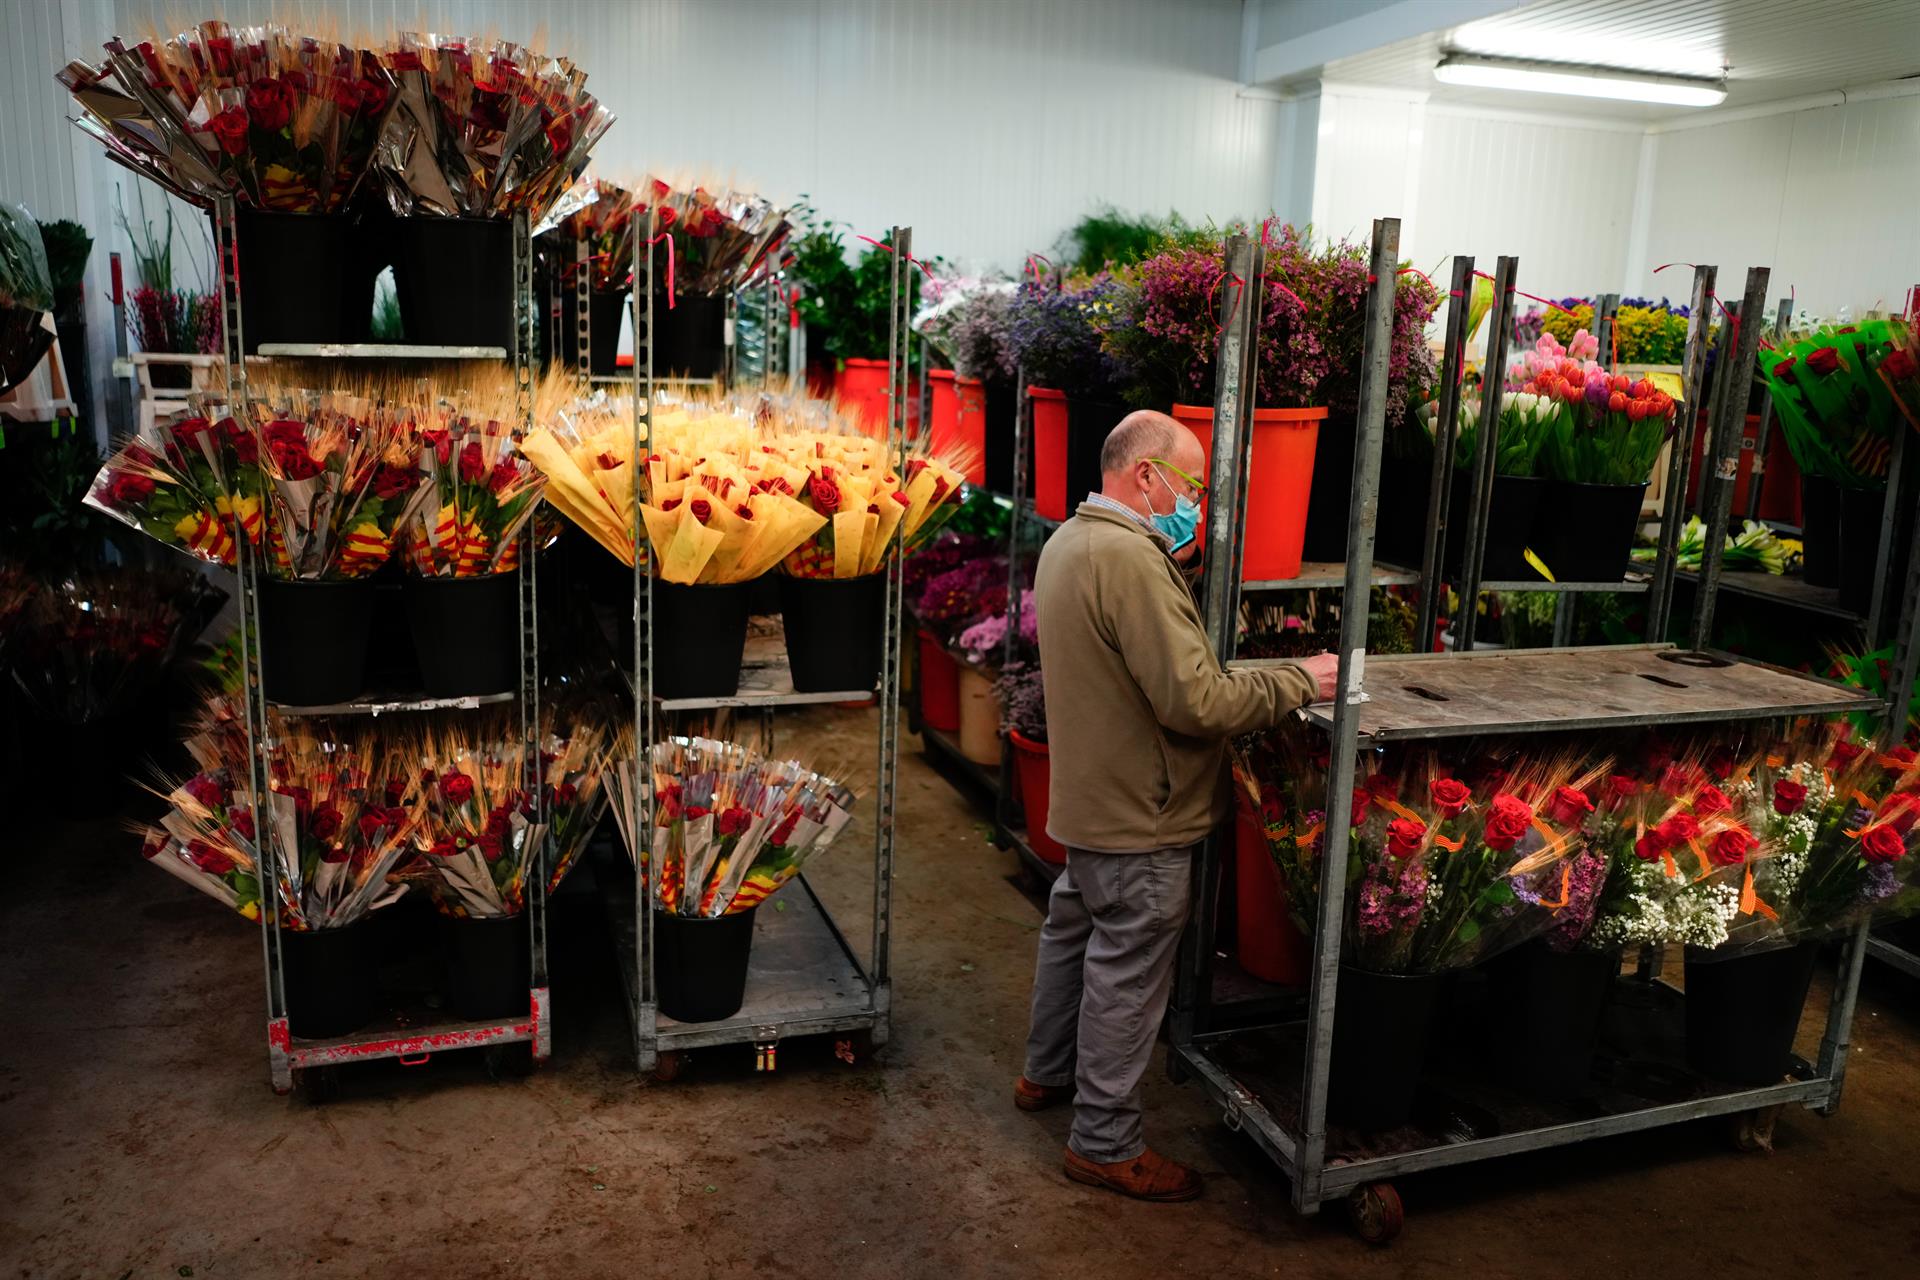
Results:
1267 943
970 428
1779 483
861 385
943 413
1279 482
1034 767
1049 451
939 685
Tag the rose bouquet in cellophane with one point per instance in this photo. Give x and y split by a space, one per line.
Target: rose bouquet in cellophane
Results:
606 223
342 478
278 120
728 827
721 237
193 482
1841 391
479 493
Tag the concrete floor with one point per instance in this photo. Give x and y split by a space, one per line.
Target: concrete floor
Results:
138 1136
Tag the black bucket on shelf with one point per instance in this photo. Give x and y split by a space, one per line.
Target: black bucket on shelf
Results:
833 631
1330 498
331 980
466 633
1819 531
1379 1043
1549 1007
1743 1011
454 279
489 966
313 639
1861 511
1400 536
607 311
701 964
302 277
1003 400
690 338
1088 423
699 635
1510 521
1587 530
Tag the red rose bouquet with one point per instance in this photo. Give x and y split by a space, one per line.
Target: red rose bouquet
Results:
342 477
1841 392
729 827
277 120
606 223
721 239
338 831
192 483
479 492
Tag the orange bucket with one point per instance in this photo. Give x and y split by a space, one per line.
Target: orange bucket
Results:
970 427
1267 943
1279 482
943 412
861 385
1049 451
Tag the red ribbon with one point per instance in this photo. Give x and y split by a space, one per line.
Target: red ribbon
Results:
1239 288
793 308
889 248
1545 302
1029 269
656 240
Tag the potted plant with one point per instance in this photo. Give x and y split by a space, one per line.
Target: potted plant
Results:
966 321
1839 391
26 297
1075 385
1606 434
1023 701
937 673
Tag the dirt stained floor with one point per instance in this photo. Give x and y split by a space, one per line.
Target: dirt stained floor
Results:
138 1137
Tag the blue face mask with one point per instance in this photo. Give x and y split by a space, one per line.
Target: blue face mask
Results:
1180 523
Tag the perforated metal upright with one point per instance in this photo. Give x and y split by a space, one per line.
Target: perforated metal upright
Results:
412 1033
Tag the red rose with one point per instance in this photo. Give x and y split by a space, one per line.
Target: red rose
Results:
499 819
1901 810
784 832
1710 800
457 788
1823 360
373 97
245 448
606 462
1720 762
1844 753
1508 818
1899 365
230 130
241 820
1404 836
671 504
1677 779
210 858
208 790
1648 848
1881 844
492 846
1358 816
826 497
744 511
1897 761
503 475
902 499
702 510
1788 796
391 481
1730 847
734 821
1450 796
473 463
1619 787
1383 785
444 847
125 489
695 812
335 854
1678 829
1569 805
372 818
1785 367
292 460
325 822
270 103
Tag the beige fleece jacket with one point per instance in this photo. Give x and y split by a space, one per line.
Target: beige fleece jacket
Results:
1139 709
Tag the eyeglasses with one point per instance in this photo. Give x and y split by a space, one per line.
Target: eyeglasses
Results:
1196 489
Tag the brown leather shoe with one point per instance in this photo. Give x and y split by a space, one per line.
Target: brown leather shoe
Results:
1029 1096
1148 1176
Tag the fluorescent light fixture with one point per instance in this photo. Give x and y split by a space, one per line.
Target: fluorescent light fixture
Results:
1579 81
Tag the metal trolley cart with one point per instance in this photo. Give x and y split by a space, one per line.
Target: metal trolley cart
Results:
804 978
1270 1077
417 1030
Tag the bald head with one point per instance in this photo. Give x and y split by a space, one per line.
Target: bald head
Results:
1145 434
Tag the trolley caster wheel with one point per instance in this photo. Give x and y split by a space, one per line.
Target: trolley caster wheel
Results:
319 1085
669 1066
509 1061
1753 1130
1375 1212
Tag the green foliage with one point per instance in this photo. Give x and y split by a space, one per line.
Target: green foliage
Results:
1871 672
152 254
1108 238
387 326
981 515
67 245
23 261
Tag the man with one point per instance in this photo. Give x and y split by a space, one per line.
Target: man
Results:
1138 714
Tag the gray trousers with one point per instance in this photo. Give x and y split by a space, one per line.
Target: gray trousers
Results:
1100 988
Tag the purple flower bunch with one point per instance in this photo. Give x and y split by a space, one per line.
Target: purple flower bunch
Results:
1023 700
1586 876
1392 898
960 596
981 337
948 551
1057 335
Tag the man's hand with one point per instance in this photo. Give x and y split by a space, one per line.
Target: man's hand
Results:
1325 670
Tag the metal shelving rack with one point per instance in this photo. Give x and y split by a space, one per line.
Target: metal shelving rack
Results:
1270 1078
804 979
416 1031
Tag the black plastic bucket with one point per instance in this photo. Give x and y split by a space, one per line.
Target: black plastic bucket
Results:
1550 1004
699 634
313 640
466 633
1331 496
1587 530
1379 1042
454 279
1861 511
331 986
489 966
1003 399
1743 1012
302 278
690 340
1510 521
833 631
607 311
1088 423
1400 535
1819 531
701 964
